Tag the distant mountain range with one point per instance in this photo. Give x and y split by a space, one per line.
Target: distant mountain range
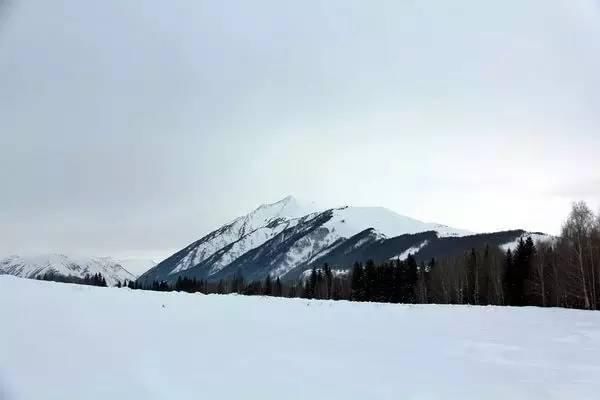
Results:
35 266
287 238
284 239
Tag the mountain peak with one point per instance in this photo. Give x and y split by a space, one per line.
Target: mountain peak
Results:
288 207
278 237
283 202
287 199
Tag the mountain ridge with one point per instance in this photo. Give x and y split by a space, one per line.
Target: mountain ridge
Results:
284 238
34 266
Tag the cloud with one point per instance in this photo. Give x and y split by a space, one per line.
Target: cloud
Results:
579 189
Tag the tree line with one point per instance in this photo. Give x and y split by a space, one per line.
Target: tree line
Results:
320 283
90 280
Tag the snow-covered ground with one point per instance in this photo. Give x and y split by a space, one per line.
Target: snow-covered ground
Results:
60 341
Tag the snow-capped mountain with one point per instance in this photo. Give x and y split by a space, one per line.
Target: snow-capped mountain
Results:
34 266
278 238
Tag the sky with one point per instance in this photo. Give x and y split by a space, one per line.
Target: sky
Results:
135 127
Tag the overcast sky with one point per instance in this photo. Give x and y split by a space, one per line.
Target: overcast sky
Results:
134 127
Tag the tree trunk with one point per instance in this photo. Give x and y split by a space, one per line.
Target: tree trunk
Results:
593 270
586 298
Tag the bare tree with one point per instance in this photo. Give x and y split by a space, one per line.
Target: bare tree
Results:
576 232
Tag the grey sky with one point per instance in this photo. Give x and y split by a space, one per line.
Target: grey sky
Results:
133 127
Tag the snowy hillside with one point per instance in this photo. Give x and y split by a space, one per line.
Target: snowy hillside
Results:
236 347
536 237
247 232
290 233
34 266
348 221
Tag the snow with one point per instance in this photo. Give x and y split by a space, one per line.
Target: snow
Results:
32 266
412 250
537 237
304 250
251 241
284 212
349 221
61 341
335 272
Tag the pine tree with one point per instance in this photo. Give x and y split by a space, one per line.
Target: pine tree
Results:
397 281
328 280
511 279
237 283
292 292
268 286
306 292
472 278
410 280
518 272
312 283
358 283
370 280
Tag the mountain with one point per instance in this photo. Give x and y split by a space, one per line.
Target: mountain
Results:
34 266
286 238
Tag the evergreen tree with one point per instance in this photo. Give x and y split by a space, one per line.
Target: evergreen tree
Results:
328 280
312 283
472 278
278 289
306 292
268 286
358 283
370 280
513 284
397 281
292 292
411 275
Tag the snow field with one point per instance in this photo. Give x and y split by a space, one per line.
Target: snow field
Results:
61 341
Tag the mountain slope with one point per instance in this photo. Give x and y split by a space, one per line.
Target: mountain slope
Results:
285 239
254 228
423 246
34 266
277 238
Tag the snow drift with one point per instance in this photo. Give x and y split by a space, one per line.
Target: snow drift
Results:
61 341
